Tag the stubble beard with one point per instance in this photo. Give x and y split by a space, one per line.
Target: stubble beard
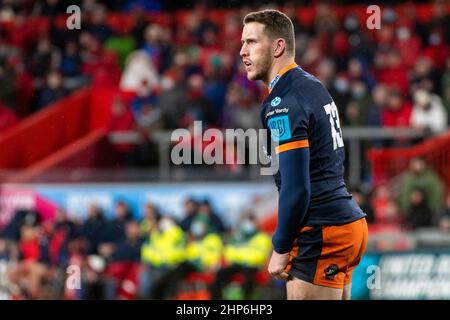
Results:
261 70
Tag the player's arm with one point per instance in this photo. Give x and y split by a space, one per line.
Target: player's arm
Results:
289 129
294 193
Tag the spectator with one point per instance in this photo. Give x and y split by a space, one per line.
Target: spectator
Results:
424 75
92 229
63 236
44 57
64 223
157 47
98 26
129 248
444 219
241 107
357 109
139 68
150 220
139 26
397 112
390 69
122 120
203 253
95 283
32 268
245 254
205 209
198 108
428 114
357 71
190 211
114 232
161 252
386 211
172 101
408 44
146 113
362 200
419 175
70 61
379 98
326 72
52 91
20 218
419 213
437 49
340 91
214 86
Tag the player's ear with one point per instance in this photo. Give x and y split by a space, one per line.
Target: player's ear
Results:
279 46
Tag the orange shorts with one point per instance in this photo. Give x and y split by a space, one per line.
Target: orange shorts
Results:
327 255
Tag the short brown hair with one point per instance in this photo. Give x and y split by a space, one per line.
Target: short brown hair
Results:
277 25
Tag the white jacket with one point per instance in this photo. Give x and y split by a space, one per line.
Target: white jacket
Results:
435 118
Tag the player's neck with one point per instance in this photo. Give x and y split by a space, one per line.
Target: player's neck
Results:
277 66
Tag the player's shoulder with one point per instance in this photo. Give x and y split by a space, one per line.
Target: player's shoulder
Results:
306 88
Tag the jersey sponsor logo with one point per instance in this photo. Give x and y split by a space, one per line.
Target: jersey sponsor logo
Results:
277 111
284 110
274 82
280 128
275 101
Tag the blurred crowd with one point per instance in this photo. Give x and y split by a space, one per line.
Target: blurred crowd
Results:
155 257
102 255
418 198
397 76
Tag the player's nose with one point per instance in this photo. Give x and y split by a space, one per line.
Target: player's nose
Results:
244 51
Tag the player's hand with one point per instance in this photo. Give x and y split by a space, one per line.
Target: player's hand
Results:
277 264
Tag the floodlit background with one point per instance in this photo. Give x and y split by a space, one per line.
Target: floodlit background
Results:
91 206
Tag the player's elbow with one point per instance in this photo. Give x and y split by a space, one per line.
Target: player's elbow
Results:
299 192
302 196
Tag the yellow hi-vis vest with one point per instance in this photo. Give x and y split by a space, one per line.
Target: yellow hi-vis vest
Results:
205 253
252 253
164 248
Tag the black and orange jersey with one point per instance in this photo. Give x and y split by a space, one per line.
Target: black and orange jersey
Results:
300 113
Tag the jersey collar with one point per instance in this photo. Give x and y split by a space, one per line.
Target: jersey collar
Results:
279 74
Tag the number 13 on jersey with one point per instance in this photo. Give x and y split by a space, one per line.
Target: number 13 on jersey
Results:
336 132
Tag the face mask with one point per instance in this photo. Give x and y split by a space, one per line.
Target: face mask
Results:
166 224
435 39
351 23
358 93
389 16
403 34
198 229
167 83
248 227
341 85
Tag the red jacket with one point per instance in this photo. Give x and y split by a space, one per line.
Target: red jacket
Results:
397 118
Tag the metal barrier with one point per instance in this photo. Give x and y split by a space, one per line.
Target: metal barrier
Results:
354 136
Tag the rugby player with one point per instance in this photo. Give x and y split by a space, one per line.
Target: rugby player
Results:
321 232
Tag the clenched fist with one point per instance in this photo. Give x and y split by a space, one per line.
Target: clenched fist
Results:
277 264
